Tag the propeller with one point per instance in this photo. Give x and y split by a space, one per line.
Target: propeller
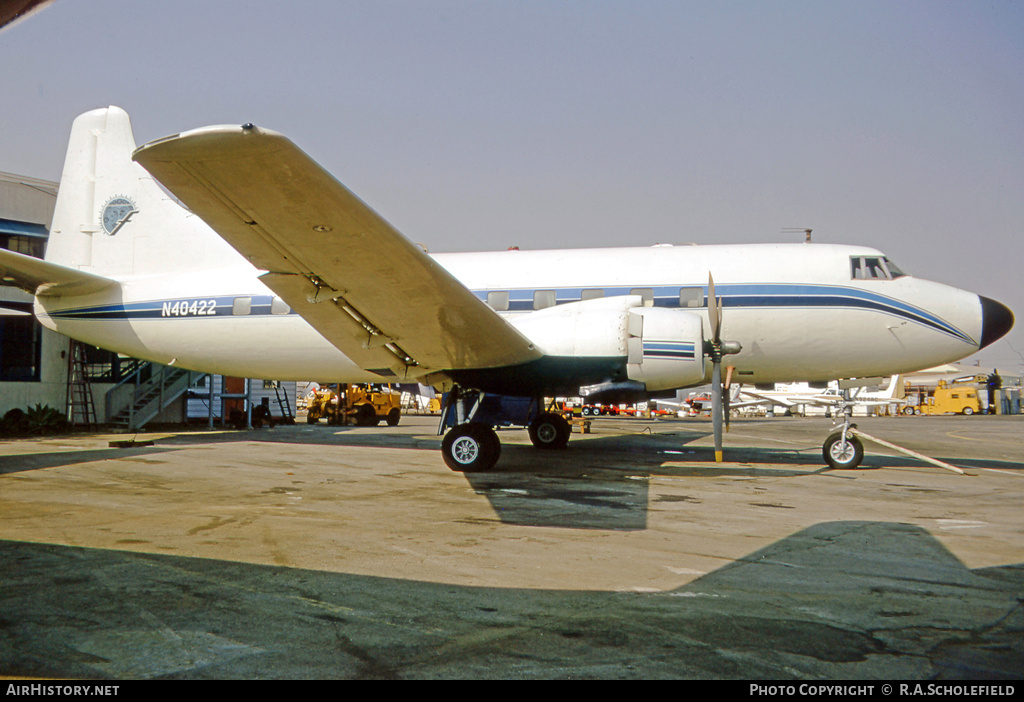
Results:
727 395
716 349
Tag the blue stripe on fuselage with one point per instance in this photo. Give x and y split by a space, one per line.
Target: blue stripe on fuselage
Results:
753 295
743 295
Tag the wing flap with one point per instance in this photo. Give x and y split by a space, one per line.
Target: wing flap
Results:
40 277
363 343
357 280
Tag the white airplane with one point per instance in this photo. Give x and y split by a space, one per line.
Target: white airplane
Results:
828 397
278 271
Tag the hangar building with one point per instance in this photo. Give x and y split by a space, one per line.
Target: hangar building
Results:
41 367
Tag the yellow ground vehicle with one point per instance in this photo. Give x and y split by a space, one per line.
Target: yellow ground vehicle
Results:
362 405
956 398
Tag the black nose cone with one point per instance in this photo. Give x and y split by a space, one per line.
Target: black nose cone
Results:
996 320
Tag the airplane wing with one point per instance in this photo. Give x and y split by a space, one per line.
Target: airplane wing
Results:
40 277
759 399
741 403
784 400
370 291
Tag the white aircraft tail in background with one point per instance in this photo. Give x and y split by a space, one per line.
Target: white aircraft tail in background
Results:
278 271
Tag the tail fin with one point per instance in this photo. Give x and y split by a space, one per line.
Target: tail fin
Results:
896 389
112 219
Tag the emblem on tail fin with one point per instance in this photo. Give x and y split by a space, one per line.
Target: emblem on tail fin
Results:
116 212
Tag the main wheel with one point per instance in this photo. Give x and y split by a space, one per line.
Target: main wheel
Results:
549 431
840 454
470 448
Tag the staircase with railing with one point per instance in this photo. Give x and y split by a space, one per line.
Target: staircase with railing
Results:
145 393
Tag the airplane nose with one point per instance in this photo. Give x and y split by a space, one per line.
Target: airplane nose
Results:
996 320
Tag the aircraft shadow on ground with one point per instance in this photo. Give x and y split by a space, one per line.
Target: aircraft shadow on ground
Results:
840 600
598 483
645 450
635 446
37 461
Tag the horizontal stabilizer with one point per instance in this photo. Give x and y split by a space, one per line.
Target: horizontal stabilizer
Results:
8 312
40 277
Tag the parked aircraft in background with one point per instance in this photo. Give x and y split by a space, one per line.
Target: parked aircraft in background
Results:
305 280
798 396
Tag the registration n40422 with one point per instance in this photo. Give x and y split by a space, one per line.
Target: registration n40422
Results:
188 308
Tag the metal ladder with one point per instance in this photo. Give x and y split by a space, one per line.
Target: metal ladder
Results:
81 409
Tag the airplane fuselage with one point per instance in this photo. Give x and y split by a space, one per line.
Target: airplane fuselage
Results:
797 310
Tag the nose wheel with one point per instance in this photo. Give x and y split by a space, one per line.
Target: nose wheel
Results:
843 450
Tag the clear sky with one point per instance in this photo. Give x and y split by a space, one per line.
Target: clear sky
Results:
476 125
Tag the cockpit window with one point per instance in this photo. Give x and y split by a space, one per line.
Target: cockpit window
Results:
894 270
874 268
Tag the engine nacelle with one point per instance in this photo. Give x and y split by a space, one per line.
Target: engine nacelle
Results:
662 348
666 348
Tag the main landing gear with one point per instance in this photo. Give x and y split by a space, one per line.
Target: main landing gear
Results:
471 445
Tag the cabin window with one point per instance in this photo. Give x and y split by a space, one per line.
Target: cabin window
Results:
543 299
591 294
279 306
691 297
241 305
498 300
646 293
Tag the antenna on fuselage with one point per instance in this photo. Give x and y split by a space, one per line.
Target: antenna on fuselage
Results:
807 232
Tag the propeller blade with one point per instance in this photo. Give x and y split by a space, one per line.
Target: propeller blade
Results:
727 395
714 311
716 407
716 348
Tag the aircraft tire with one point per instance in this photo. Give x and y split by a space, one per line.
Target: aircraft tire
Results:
470 448
549 431
840 456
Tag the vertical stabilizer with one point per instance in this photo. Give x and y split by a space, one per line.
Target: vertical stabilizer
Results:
897 390
111 217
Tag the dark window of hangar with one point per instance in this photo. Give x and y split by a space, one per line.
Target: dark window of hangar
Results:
20 334
23 237
20 343
102 366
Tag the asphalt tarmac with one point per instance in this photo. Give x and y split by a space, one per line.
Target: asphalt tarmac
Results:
315 552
